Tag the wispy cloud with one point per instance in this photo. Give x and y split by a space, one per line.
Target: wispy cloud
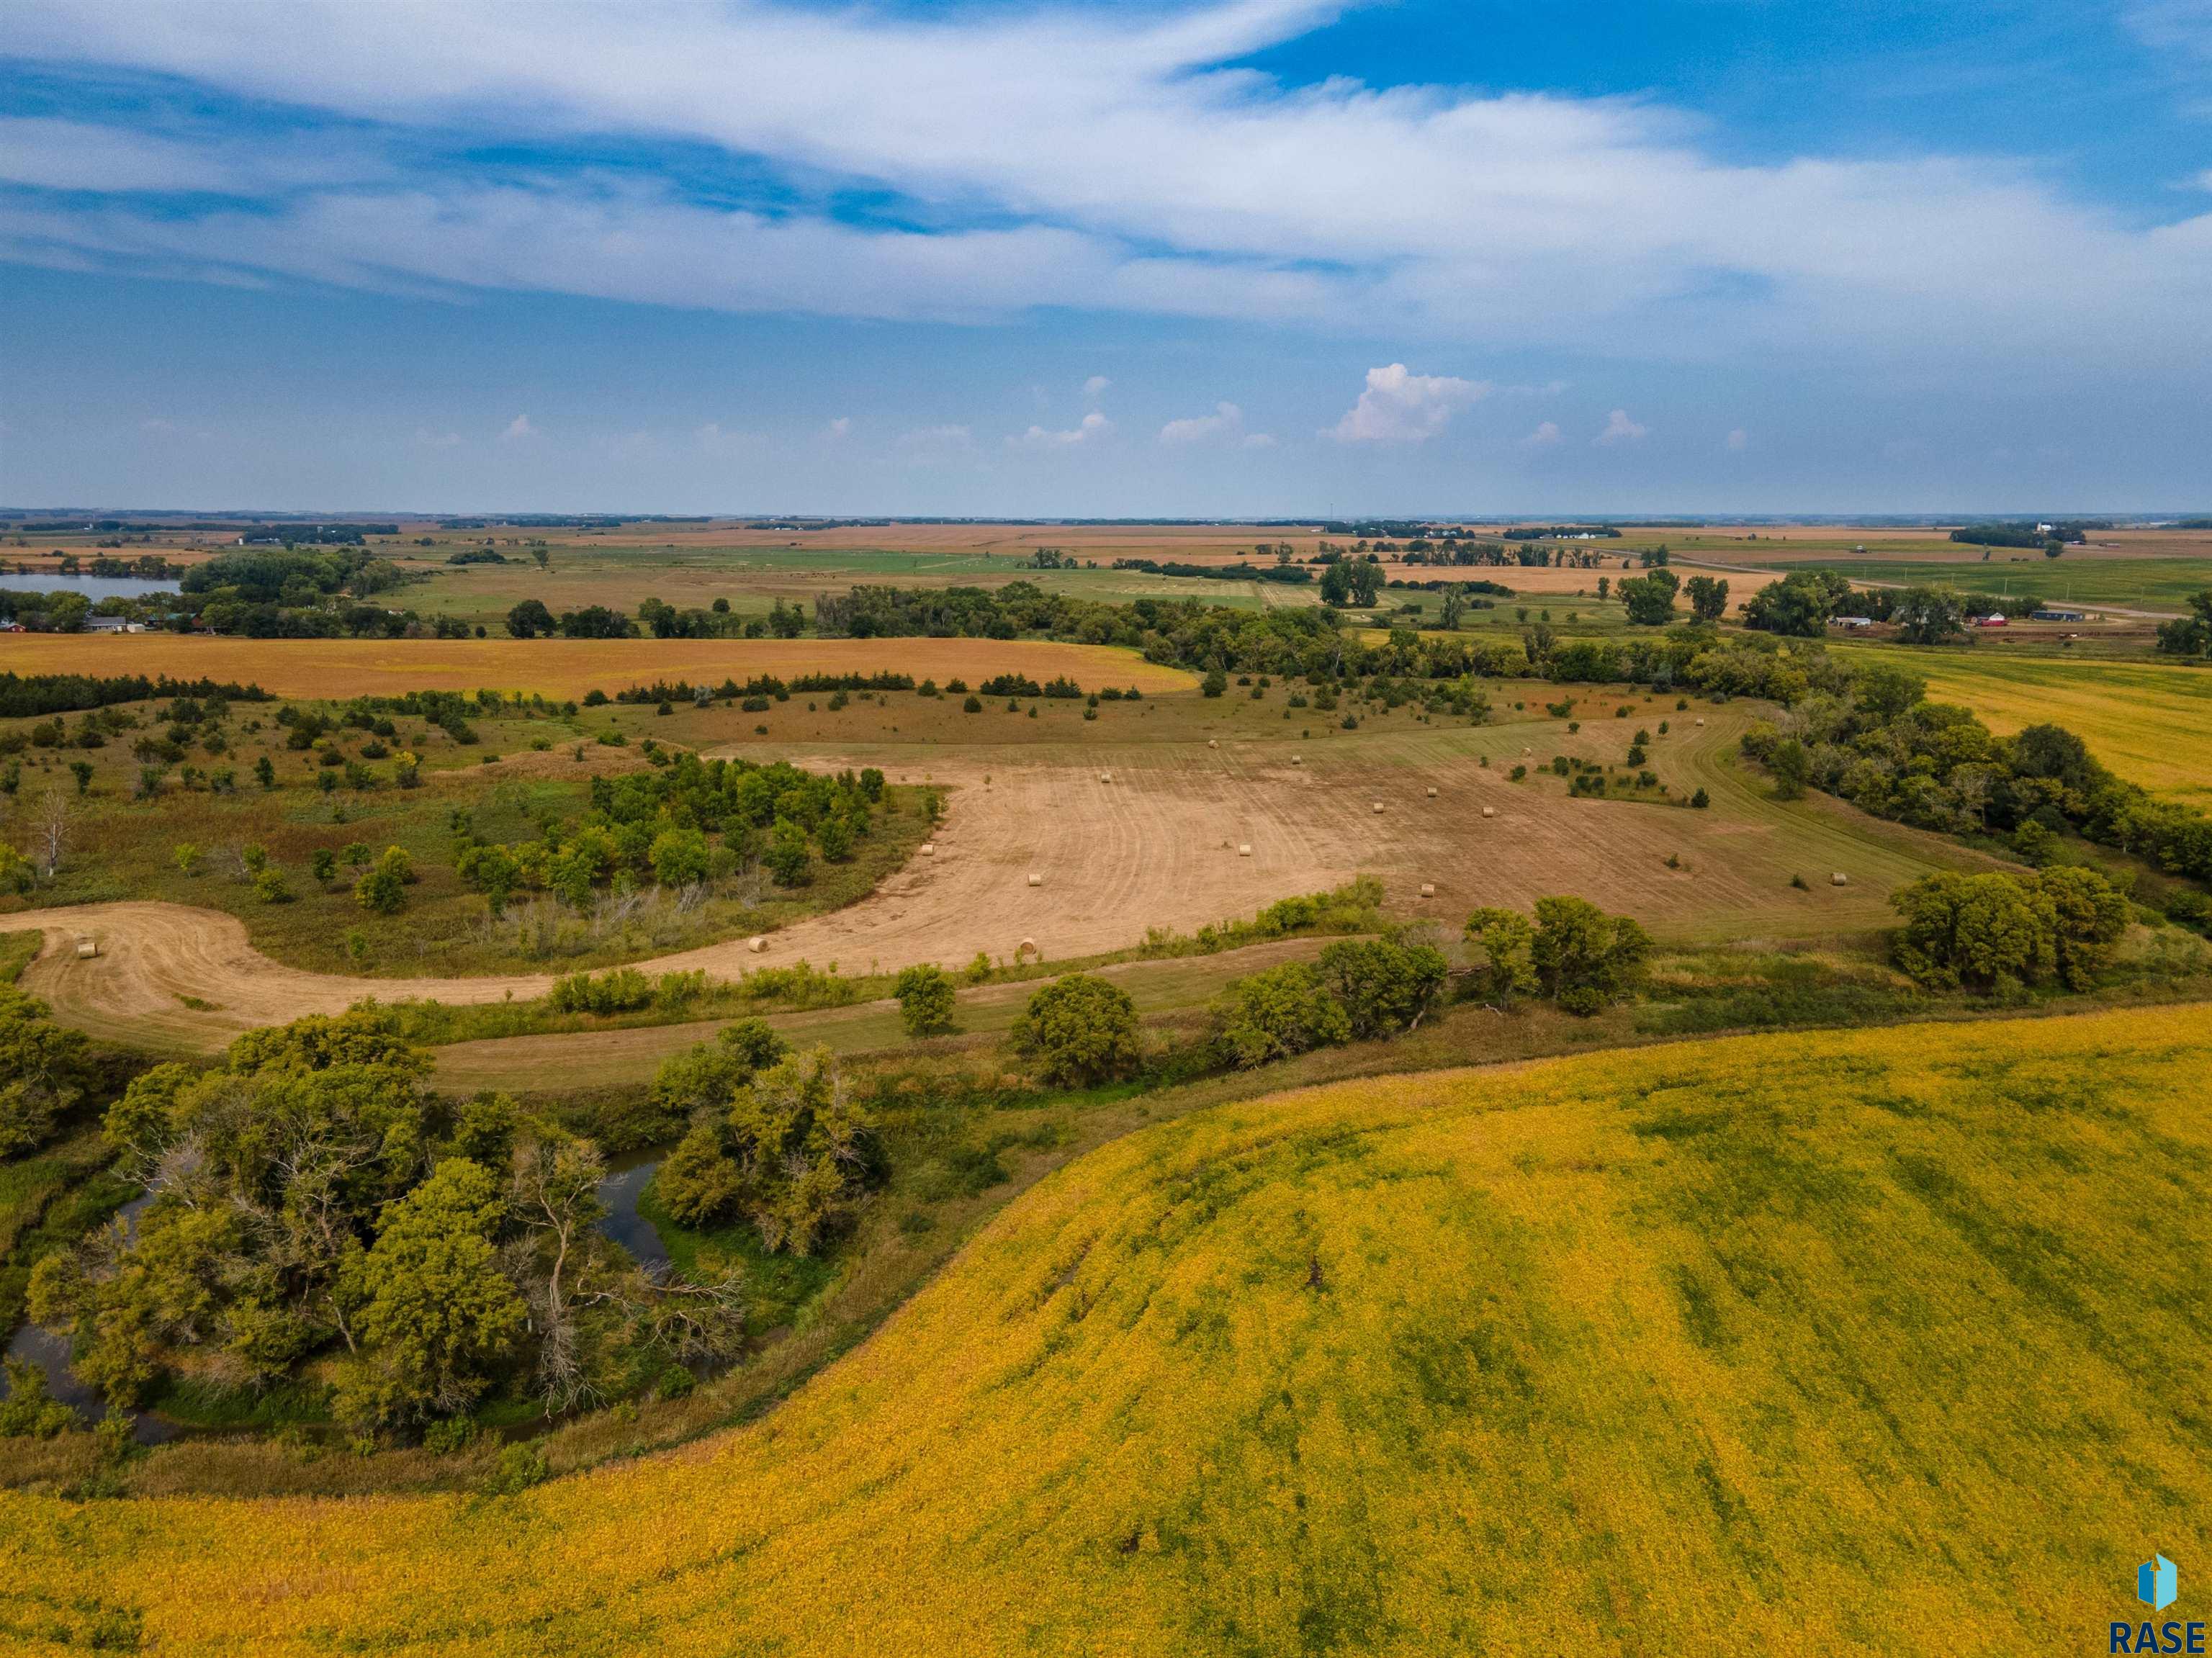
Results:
1399 406
1106 159
1095 387
1546 434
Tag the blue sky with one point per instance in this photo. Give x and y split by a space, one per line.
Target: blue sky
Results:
1253 258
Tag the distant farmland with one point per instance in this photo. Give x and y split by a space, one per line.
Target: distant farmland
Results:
563 667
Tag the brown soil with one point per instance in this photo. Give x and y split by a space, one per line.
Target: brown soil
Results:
1157 846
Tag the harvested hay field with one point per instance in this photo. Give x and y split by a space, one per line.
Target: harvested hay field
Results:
565 667
1783 1345
1156 848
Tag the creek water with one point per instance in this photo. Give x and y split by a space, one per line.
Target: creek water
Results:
51 1353
626 1180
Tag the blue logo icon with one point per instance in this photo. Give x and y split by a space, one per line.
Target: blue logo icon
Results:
2158 1582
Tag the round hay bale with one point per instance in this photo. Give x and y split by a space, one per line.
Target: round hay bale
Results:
1108 776
1244 850
87 946
756 945
1378 807
1213 742
1428 889
1036 880
1701 722
1839 879
1433 794
1490 812
1297 760
1027 947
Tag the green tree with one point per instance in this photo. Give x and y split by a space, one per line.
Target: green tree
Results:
1649 599
788 856
42 1067
264 772
1507 968
436 1311
1384 985
1080 1030
1791 767
789 1155
1799 605
382 888
1708 596
2089 916
924 993
1214 683
1979 932
679 857
1275 1014
1929 616
531 619
17 873
1584 958
2189 635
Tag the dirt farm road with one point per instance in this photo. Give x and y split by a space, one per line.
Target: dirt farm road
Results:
1159 845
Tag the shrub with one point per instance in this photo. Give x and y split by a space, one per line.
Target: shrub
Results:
926 999
382 889
1384 985
622 990
1275 1015
1080 1030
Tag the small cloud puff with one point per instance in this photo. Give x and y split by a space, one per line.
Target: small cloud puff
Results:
1095 386
841 426
1546 434
1224 425
1618 428
1092 427
1738 441
1400 407
518 428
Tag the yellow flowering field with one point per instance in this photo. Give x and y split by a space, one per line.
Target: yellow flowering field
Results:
1891 1341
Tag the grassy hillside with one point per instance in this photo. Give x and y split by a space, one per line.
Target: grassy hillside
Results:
1878 1342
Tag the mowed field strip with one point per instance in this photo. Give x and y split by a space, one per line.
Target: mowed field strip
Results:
564 667
2150 723
1792 1343
1157 846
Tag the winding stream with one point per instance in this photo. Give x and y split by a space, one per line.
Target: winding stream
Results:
626 1179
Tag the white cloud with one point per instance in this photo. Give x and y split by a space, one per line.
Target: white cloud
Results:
1399 407
518 429
1095 387
1546 434
840 427
1259 440
1226 422
1737 440
1618 428
1119 163
1092 427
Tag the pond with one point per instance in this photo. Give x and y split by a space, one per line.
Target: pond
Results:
626 1179
94 588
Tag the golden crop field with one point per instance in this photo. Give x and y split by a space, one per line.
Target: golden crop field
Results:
1885 1341
563 667
2150 722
